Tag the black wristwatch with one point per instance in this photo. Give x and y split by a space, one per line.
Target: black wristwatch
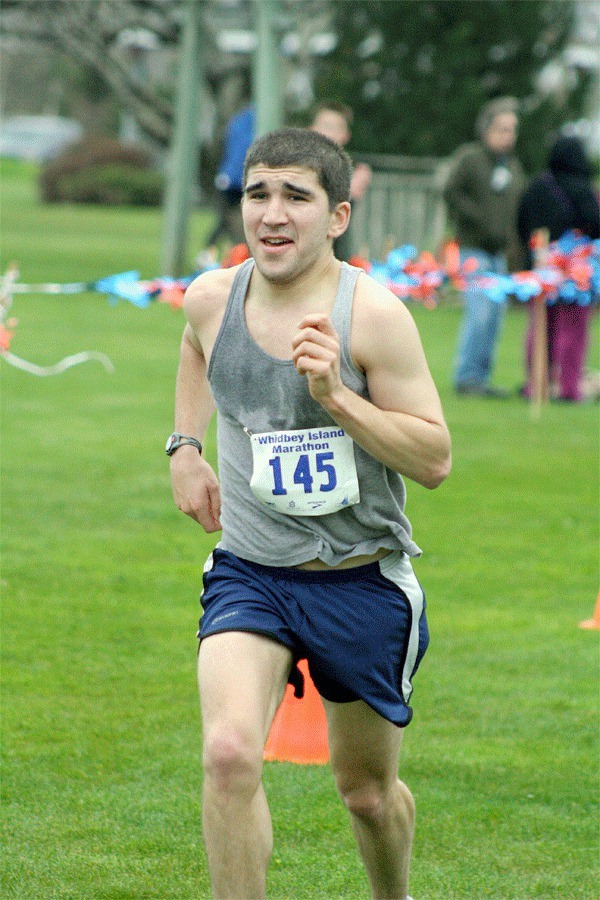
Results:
175 440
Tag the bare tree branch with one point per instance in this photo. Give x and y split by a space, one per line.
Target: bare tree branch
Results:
87 30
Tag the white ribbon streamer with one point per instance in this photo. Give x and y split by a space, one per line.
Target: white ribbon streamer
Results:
76 287
62 366
7 288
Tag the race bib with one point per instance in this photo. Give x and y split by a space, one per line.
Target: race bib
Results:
304 472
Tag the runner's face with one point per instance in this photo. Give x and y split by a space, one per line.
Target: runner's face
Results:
287 220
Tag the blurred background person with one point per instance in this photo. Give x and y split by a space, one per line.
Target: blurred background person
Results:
239 134
334 120
482 193
562 198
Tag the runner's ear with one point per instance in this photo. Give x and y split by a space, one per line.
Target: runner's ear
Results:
339 219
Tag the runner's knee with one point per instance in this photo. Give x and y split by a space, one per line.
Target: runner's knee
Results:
232 759
365 801
374 801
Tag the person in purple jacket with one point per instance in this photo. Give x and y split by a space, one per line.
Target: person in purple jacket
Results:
562 199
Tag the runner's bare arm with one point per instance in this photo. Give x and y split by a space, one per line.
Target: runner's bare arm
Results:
403 424
195 486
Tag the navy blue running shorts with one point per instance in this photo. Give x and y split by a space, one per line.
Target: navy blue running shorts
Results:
363 630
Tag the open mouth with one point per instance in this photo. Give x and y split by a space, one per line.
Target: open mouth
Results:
276 241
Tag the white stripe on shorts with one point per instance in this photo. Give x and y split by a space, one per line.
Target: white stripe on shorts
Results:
209 564
397 567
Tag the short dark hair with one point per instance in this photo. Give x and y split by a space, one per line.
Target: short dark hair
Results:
301 147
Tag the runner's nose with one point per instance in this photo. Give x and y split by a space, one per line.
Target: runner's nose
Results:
275 211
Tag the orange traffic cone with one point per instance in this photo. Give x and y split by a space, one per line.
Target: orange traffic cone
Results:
299 730
594 622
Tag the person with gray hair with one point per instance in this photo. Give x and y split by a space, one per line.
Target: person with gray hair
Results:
482 193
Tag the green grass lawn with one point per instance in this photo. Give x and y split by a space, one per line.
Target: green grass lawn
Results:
100 579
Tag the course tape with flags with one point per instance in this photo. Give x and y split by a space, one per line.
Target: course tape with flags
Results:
570 274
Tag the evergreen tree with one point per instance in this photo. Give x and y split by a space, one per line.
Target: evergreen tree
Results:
416 72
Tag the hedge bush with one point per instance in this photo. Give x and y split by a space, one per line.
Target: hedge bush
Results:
112 185
102 170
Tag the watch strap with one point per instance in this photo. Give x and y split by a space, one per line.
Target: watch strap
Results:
177 440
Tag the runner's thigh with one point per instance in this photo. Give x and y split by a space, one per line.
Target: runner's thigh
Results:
362 744
241 679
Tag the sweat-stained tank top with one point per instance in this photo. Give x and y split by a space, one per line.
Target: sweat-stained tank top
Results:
256 393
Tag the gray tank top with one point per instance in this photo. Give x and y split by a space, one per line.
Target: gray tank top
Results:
260 393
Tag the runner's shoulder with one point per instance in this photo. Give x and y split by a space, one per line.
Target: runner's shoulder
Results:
375 302
208 293
381 324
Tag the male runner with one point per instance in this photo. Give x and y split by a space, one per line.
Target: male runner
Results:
324 401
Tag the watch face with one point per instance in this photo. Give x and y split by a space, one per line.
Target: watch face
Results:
176 440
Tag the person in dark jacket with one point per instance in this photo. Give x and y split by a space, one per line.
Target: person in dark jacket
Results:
482 194
562 199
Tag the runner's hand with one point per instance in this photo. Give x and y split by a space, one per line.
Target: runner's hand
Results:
316 354
196 488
